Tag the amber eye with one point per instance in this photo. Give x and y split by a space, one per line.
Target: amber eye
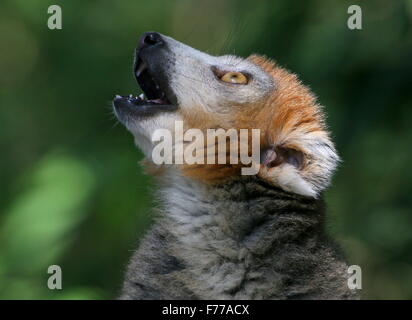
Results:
234 77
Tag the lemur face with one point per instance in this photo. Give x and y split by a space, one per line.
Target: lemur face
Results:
176 79
204 91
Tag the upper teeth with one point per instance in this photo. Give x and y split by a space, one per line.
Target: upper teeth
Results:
141 68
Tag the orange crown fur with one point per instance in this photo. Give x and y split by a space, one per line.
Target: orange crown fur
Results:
297 152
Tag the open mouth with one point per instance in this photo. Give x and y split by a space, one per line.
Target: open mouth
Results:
153 94
153 99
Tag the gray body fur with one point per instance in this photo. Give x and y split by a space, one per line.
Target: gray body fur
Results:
241 240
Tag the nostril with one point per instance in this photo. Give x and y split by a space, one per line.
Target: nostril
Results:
151 39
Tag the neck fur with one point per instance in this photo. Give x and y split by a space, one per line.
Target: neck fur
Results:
227 234
245 210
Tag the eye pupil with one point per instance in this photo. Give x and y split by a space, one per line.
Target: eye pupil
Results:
234 77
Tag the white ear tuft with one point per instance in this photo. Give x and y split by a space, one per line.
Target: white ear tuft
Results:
305 169
289 179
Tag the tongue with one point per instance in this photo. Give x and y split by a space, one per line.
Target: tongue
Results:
157 101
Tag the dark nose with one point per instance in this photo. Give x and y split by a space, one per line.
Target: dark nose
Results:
150 39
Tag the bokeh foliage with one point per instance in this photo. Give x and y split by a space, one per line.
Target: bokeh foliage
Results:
71 190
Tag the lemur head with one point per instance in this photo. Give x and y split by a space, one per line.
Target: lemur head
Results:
229 92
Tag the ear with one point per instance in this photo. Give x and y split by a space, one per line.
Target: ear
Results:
274 156
305 166
282 166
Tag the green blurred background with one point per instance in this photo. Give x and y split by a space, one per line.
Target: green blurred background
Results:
71 190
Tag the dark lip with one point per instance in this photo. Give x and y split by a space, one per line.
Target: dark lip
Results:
127 106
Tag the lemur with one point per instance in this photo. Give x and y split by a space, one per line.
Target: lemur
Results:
220 234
